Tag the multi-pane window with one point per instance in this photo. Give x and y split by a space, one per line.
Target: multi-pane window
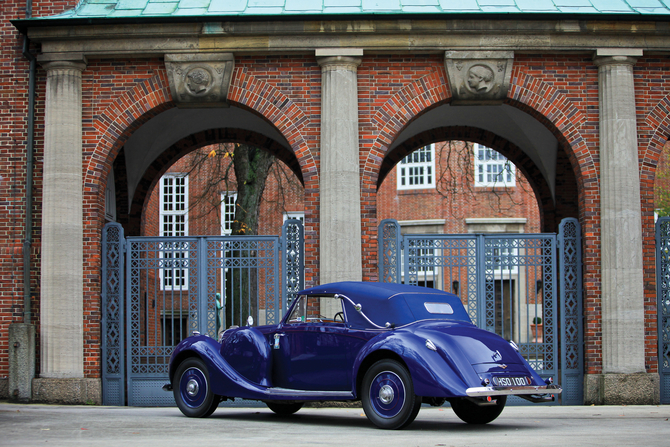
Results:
492 169
173 222
417 170
228 201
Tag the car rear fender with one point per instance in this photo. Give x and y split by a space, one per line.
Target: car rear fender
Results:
434 373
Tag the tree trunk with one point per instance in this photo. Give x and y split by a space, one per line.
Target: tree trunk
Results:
252 166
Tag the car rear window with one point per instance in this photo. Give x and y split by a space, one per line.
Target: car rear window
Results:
439 308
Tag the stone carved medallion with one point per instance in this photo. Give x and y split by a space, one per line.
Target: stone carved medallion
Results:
479 77
200 80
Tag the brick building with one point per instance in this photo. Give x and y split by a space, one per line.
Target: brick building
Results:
575 96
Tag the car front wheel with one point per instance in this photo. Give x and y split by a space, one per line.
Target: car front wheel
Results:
388 395
472 413
192 389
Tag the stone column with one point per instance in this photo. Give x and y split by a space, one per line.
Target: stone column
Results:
61 300
340 191
623 350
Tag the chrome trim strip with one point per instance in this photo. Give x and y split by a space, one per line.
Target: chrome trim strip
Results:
275 391
484 391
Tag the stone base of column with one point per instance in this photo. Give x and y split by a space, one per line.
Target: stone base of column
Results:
21 361
622 389
67 391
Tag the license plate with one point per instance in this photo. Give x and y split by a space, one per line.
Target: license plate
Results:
511 381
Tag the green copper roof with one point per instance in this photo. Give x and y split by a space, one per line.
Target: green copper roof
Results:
119 9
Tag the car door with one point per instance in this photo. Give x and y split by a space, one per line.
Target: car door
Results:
314 350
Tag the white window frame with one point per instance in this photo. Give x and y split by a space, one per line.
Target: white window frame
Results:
417 170
492 169
228 202
173 221
298 215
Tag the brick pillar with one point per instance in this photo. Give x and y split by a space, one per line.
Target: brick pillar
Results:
623 349
61 300
340 197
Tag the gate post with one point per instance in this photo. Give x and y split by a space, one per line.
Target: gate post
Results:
570 286
292 243
113 302
389 243
663 304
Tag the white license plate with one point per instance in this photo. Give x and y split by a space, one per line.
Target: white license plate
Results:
510 381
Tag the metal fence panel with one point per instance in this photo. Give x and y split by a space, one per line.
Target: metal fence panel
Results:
508 284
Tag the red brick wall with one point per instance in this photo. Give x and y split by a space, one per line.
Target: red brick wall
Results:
560 91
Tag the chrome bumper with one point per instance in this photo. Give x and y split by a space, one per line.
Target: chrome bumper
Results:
484 391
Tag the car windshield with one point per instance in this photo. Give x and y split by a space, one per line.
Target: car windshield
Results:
317 309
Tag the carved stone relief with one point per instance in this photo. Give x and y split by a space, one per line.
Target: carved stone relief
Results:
200 80
479 77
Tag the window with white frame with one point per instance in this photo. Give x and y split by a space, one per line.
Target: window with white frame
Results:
228 201
417 170
298 215
493 169
173 222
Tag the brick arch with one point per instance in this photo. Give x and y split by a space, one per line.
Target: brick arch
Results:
189 144
151 97
535 97
657 119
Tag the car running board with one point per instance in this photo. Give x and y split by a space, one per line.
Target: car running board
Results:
309 394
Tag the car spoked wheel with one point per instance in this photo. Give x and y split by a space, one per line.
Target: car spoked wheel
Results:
192 390
388 395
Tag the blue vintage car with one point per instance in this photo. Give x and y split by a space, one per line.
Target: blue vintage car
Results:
391 346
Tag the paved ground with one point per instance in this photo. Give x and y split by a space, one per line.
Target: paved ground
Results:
30 425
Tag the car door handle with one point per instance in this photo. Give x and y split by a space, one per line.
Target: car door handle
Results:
277 337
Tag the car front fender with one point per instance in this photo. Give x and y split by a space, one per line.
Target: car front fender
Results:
225 380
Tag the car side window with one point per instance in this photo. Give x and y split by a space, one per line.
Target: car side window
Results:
317 309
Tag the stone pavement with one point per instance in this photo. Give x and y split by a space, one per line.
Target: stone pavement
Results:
31 425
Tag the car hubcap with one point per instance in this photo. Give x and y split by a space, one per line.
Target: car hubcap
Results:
387 394
193 386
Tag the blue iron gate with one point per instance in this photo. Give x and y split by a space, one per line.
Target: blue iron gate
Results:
509 285
663 306
177 285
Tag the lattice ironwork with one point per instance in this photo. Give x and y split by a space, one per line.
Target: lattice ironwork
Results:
113 244
389 251
663 300
508 282
293 236
178 285
572 341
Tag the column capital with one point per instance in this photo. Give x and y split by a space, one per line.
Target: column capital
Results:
339 58
616 56
55 61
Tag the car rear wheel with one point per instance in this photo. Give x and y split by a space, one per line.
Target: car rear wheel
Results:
284 409
192 389
388 395
472 413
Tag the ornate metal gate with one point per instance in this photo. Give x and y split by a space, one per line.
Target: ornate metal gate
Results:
509 284
177 285
663 296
